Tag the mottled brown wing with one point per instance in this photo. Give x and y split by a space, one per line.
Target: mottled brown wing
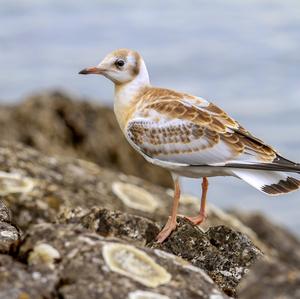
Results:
182 132
178 142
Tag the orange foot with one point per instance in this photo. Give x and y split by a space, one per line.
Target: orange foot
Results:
197 219
166 231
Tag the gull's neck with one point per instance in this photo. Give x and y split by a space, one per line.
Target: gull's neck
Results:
125 94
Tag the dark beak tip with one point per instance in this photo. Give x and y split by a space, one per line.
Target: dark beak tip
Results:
83 72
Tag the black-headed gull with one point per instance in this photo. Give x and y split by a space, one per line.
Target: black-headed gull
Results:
189 136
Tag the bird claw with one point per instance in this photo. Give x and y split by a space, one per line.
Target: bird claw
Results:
166 231
197 219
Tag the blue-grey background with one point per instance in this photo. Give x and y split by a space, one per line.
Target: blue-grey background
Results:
242 55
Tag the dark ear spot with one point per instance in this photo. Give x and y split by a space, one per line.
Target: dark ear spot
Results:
136 67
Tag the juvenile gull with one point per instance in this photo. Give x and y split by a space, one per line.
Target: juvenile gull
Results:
189 136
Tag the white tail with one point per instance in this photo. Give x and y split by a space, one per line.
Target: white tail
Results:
269 182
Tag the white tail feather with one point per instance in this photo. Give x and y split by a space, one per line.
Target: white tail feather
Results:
269 182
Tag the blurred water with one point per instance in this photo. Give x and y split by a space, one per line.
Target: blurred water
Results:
242 55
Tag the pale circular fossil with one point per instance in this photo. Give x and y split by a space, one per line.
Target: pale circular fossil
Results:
186 199
134 263
135 197
14 183
146 295
43 253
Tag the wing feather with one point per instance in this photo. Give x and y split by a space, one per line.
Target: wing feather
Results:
180 128
180 142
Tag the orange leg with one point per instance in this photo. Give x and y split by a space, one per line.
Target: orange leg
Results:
171 223
202 215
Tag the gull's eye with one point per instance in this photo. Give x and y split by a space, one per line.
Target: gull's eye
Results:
119 63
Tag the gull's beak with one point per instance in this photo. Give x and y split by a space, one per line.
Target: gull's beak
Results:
92 70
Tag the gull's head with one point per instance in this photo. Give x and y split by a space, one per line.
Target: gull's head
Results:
120 66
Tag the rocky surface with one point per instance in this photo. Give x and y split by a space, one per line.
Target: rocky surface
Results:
284 245
90 266
37 188
56 203
56 124
72 229
277 275
224 254
128 227
9 233
270 278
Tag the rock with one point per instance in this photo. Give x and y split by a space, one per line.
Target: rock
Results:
91 266
271 279
134 229
18 281
224 254
49 185
4 212
9 234
9 237
56 124
77 217
54 184
281 244
277 275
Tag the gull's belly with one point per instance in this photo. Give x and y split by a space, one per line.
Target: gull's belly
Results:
192 171
202 171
